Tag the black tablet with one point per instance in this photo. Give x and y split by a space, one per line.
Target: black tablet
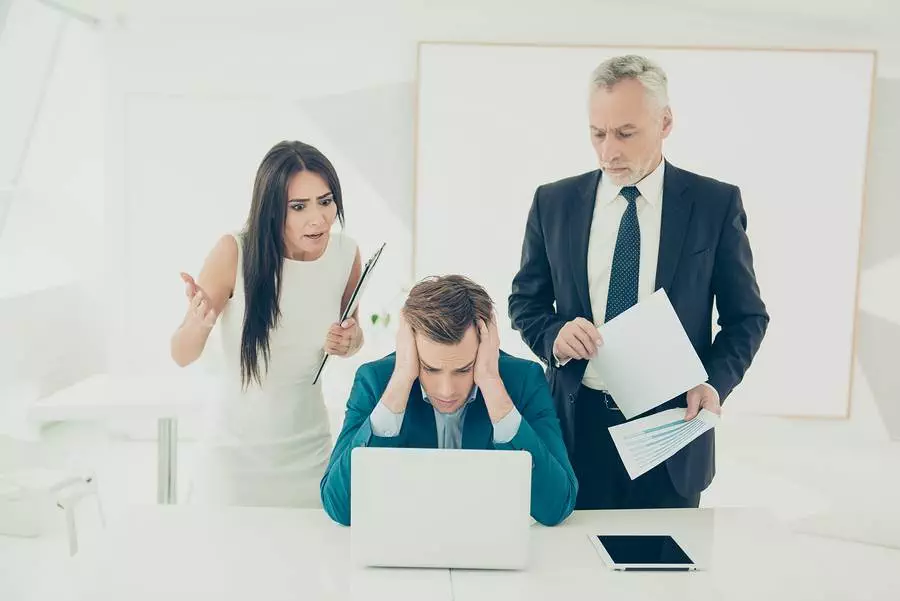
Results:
642 552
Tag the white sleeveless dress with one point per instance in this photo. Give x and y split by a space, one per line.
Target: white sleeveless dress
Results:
269 445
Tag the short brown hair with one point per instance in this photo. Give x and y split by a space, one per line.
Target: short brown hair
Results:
442 308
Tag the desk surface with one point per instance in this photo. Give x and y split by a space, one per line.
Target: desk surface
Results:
183 552
103 397
748 554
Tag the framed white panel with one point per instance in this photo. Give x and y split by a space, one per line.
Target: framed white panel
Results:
789 127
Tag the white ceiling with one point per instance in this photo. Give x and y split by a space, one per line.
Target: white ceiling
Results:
815 9
874 12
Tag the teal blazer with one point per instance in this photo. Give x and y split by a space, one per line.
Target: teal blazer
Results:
553 483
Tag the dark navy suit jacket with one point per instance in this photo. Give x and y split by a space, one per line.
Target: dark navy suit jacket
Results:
704 254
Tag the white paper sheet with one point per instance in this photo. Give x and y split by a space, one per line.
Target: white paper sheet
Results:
646 357
645 443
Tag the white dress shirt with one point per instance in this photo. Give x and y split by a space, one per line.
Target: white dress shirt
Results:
609 207
608 211
386 424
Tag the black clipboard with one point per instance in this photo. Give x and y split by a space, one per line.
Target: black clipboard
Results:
354 299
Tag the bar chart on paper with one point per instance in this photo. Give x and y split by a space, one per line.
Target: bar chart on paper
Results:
645 443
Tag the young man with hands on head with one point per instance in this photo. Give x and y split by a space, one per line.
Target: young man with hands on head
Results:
449 386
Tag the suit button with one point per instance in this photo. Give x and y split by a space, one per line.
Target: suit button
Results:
572 398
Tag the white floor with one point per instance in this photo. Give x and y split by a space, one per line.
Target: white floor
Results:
794 470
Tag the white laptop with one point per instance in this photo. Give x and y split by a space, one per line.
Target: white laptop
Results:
440 508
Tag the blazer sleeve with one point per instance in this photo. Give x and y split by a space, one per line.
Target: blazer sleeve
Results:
742 314
531 302
554 487
355 432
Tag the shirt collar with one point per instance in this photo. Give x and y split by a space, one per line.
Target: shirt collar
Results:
472 395
650 187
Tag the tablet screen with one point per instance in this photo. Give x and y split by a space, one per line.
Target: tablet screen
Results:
644 549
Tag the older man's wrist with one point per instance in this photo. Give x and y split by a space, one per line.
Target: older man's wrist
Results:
712 389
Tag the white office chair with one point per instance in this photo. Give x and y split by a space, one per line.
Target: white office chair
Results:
33 493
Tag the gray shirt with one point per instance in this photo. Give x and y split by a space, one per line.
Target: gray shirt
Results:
387 424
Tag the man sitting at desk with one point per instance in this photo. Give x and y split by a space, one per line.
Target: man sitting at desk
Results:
448 386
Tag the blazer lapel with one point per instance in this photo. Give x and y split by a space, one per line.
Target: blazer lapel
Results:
421 427
477 429
676 215
580 216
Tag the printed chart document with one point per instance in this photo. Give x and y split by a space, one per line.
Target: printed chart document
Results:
646 358
645 443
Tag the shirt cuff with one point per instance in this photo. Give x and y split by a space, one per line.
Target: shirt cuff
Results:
507 428
385 423
558 362
713 388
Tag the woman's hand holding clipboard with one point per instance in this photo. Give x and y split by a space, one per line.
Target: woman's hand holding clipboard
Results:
354 300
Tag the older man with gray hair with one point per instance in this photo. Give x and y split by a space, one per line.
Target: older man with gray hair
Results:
598 243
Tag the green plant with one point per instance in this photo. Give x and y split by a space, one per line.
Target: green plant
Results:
383 318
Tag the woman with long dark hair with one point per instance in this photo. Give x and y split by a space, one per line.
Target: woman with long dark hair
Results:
276 290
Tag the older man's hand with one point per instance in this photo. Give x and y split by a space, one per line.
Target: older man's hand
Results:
702 396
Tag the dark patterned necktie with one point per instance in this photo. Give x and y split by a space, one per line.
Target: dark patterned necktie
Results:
623 278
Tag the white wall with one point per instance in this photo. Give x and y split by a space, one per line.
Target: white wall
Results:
242 80
730 125
52 179
201 89
52 152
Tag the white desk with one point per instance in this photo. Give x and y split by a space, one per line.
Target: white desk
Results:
189 553
186 552
749 556
164 398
